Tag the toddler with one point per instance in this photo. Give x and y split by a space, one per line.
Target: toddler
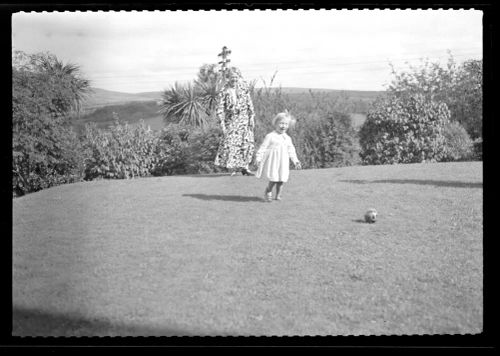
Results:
274 155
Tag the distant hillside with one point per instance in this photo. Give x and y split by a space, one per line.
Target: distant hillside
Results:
132 112
100 97
100 105
352 93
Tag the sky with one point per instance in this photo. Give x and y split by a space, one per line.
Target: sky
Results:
136 52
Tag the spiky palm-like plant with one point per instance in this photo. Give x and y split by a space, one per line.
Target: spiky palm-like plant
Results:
184 104
209 92
66 74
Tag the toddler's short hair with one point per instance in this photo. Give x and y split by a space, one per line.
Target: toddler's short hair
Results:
285 116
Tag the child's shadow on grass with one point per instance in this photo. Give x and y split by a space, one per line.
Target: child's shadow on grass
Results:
223 197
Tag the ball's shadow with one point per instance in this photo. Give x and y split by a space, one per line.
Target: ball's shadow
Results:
361 221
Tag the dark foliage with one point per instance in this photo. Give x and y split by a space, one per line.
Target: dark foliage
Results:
46 151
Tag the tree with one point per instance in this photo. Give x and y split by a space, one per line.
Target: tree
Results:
67 85
46 151
468 97
458 86
208 73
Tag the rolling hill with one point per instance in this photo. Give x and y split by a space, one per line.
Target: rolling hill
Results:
102 97
99 105
368 94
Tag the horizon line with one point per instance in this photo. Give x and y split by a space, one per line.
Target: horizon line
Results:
282 87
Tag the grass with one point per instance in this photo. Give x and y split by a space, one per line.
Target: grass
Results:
204 255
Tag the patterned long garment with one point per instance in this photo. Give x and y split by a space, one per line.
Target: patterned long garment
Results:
236 116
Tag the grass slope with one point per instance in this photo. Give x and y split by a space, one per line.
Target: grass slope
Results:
204 255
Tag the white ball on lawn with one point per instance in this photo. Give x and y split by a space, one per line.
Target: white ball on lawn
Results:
371 215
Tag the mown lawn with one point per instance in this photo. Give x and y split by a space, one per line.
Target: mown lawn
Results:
204 255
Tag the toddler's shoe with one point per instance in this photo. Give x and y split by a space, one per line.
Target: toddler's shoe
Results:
246 172
268 196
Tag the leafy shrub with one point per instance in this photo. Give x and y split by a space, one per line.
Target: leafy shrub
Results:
326 141
42 162
172 150
458 146
187 150
202 149
120 152
404 129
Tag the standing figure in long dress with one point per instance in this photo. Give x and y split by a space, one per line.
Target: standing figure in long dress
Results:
235 114
274 155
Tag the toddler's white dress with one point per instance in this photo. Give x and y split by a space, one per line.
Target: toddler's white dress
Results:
274 156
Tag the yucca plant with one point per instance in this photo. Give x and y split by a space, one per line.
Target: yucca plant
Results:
184 104
209 92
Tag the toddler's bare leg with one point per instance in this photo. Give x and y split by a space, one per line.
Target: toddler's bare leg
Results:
279 186
268 191
270 187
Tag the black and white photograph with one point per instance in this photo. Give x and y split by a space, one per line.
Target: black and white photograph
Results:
289 172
